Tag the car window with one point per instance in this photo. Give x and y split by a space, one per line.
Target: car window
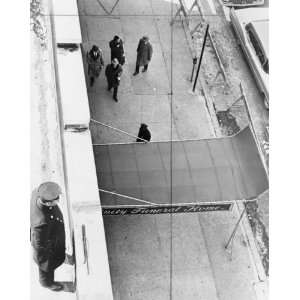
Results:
257 48
266 66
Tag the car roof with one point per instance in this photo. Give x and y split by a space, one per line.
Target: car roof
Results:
259 19
252 14
262 29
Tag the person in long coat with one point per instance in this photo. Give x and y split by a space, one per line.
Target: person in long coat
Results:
95 63
113 74
144 54
117 50
47 233
144 134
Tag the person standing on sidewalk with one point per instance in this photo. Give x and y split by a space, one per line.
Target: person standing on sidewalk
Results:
95 62
144 54
117 50
47 233
144 133
113 74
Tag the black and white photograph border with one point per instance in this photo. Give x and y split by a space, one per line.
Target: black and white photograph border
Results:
16 251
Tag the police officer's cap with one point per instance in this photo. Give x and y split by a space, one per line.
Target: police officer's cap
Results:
49 190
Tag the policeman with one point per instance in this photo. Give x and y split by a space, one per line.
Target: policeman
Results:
47 233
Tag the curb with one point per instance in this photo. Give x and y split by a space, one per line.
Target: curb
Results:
246 228
261 286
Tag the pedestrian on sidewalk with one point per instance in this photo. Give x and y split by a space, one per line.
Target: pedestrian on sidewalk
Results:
47 233
95 62
144 134
117 50
113 74
144 54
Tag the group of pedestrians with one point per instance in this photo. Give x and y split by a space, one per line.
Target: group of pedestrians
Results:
113 71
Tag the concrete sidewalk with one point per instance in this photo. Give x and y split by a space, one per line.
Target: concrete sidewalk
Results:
139 247
145 97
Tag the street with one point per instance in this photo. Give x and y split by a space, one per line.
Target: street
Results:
179 256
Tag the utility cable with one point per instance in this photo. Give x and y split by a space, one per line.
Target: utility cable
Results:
114 128
127 197
171 159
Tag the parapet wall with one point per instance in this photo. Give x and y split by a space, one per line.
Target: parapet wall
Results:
59 151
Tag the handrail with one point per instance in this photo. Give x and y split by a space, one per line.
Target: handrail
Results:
85 248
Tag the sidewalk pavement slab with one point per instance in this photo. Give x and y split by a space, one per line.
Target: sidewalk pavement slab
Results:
139 246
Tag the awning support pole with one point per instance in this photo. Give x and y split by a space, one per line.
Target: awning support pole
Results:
114 7
235 229
193 70
201 56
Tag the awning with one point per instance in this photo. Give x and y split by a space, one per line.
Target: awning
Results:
191 171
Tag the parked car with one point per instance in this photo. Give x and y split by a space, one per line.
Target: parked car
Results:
243 3
251 26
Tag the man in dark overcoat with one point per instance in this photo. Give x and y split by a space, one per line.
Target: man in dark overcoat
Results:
144 54
117 50
47 233
144 134
95 62
113 74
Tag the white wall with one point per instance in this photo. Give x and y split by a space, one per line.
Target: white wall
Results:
83 189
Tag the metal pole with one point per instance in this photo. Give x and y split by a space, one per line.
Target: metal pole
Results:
253 130
103 7
114 7
235 229
194 64
201 56
247 109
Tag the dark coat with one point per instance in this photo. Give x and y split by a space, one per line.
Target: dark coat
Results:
112 74
95 63
144 53
117 51
47 233
144 133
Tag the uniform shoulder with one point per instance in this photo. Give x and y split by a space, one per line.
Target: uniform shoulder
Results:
37 215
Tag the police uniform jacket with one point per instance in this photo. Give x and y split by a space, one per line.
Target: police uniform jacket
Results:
47 234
